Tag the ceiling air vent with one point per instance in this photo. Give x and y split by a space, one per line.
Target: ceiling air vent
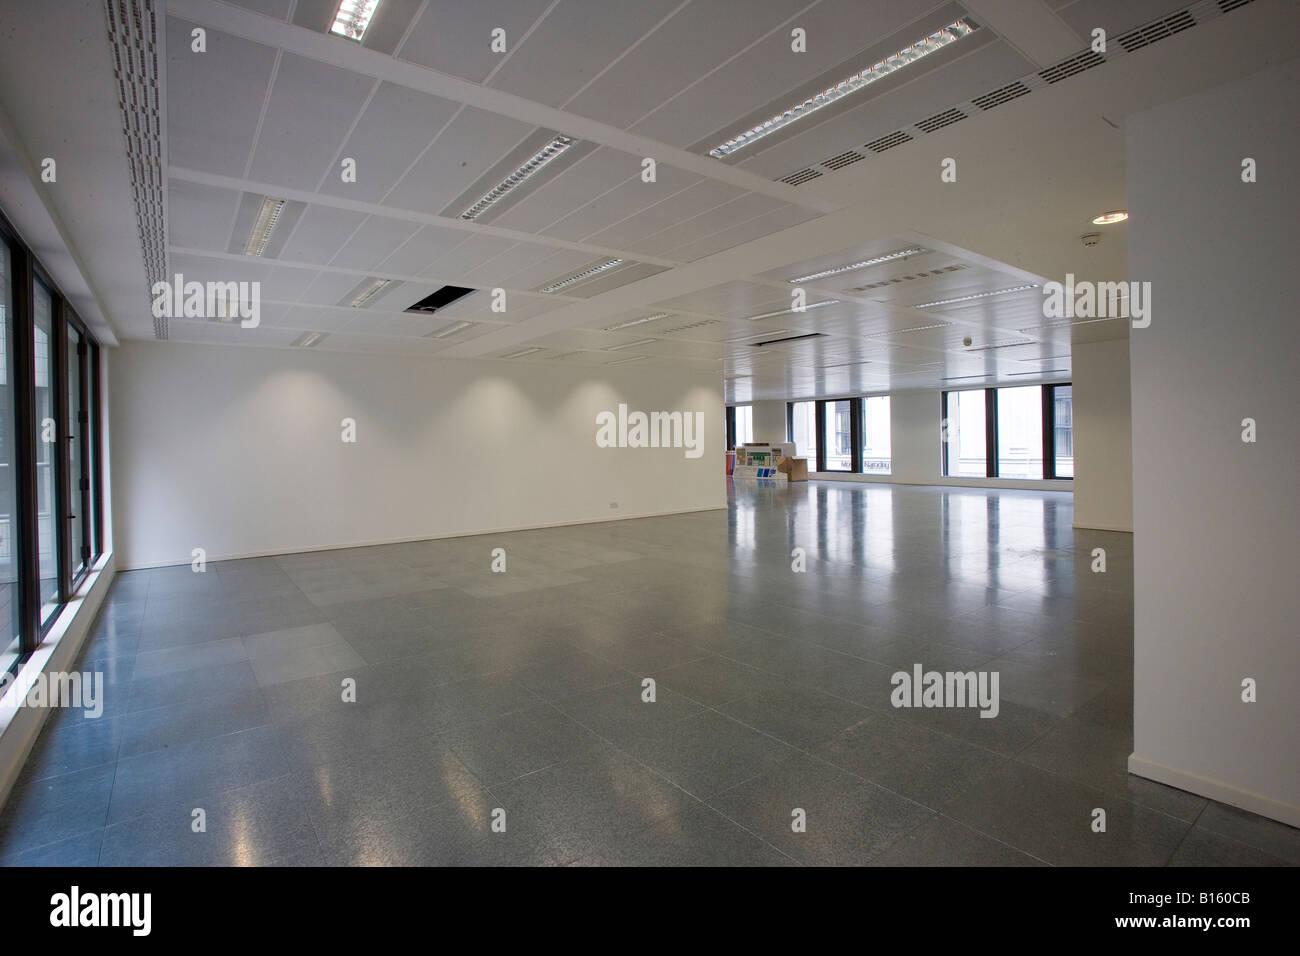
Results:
1075 64
897 138
920 275
801 177
1158 30
999 96
846 158
440 299
940 120
683 328
1227 6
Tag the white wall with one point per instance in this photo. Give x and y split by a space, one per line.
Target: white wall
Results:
769 421
1216 519
238 450
1103 436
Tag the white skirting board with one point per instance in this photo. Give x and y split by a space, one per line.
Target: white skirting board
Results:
1215 790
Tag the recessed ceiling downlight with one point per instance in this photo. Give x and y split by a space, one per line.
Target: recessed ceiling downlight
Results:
1110 218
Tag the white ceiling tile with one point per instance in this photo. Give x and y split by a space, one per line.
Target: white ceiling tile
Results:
473 142
320 233
395 127
422 249
199 216
593 174
762 76
455 37
311 108
577 40
375 240
690 44
214 99
621 202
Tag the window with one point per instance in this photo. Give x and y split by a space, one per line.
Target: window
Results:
1063 430
837 422
1020 432
802 422
10 567
876 459
47 444
50 449
78 549
740 425
744 424
965 448
1023 432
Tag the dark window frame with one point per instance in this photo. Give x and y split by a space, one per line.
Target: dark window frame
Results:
26 271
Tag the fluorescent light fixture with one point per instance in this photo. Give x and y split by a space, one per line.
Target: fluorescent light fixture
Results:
627 361
449 330
977 295
628 325
808 308
851 84
308 339
376 287
630 345
263 226
521 352
915 328
1110 218
1066 325
530 167
353 17
854 267
585 274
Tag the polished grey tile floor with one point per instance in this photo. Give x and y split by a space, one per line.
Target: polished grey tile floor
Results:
401 704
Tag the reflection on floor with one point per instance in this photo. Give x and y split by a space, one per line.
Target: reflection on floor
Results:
519 697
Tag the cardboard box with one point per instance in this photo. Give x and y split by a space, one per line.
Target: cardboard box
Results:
795 469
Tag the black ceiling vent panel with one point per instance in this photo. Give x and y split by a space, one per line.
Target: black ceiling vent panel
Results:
940 120
801 177
1069 67
790 338
441 299
1001 95
1145 36
896 138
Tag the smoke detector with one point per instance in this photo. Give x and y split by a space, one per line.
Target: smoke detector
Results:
1090 239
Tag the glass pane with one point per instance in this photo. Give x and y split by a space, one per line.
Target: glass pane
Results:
9 588
839 436
964 429
1063 413
803 431
1020 432
875 435
46 439
744 424
76 471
